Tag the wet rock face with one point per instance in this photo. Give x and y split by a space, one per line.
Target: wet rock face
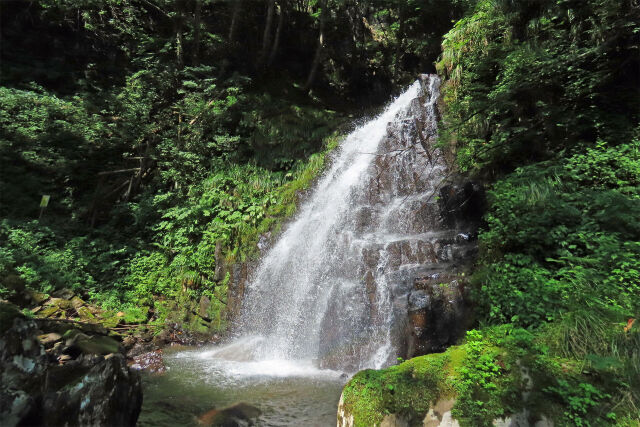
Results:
56 377
439 313
151 362
414 237
239 275
462 204
438 307
358 296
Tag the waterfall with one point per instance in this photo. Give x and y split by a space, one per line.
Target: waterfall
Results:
331 289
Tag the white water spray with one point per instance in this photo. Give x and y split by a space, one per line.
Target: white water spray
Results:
324 293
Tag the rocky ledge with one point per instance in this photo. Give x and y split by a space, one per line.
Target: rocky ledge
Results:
62 372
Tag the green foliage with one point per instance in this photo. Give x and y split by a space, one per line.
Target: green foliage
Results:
163 152
483 384
45 143
529 80
579 399
571 241
561 245
541 100
42 261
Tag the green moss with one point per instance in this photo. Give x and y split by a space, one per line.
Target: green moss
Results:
481 375
409 388
486 385
286 199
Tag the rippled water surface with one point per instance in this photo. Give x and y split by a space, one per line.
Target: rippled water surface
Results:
288 393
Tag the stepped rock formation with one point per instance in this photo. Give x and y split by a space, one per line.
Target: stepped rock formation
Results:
368 271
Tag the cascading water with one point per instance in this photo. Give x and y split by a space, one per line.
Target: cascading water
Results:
316 295
333 293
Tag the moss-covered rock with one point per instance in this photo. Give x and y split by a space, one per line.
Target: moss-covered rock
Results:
500 376
408 390
96 344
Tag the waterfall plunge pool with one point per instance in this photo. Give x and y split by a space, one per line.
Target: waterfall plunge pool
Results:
288 393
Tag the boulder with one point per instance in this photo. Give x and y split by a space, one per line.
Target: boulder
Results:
95 344
240 414
76 302
422 392
64 293
91 385
438 313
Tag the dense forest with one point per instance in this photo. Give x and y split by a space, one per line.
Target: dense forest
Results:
171 134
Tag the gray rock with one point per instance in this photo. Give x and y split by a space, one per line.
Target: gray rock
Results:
419 300
87 387
205 303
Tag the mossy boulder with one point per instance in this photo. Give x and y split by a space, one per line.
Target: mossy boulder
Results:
84 313
96 344
408 390
499 376
477 383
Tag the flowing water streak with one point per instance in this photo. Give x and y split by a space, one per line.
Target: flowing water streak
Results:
312 264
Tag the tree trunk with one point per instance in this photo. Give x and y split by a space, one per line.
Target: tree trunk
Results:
319 48
179 41
237 8
197 18
276 42
266 36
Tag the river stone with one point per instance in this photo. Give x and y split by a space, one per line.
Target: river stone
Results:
49 339
240 414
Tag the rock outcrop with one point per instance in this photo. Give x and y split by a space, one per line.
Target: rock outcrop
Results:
57 372
423 392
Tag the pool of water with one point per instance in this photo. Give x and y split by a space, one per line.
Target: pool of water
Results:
198 380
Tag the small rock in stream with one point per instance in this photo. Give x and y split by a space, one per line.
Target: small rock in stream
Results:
240 414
